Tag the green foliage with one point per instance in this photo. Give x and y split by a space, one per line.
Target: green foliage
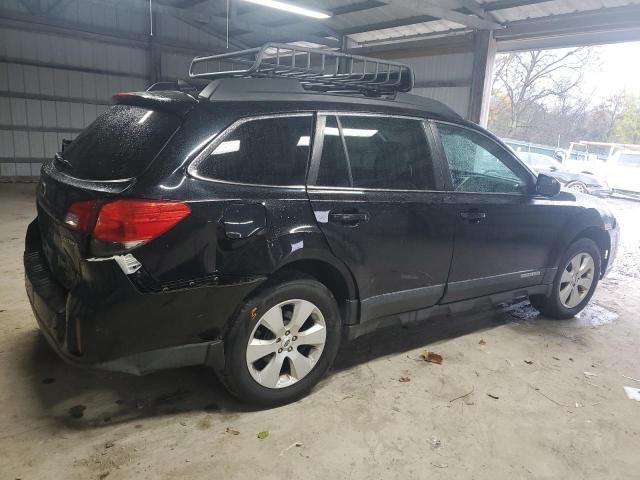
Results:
538 97
627 126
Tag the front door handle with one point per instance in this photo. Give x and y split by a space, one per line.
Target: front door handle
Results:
348 218
473 216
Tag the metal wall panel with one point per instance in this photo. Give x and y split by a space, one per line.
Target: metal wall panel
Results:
53 82
453 69
442 67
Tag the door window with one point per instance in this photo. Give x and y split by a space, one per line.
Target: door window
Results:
478 164
375 152
266 151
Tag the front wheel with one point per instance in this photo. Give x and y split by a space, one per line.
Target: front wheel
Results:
574 283
282 342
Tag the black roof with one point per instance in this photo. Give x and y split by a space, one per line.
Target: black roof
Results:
289 90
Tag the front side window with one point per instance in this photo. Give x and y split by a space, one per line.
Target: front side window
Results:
478 164
266 151
375 152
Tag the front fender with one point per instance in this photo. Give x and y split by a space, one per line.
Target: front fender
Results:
584 219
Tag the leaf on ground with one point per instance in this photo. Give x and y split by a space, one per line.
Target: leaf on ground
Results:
232 431
482 342
431 357
404 379
262 435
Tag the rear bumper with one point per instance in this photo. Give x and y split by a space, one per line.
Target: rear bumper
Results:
106 323
206 353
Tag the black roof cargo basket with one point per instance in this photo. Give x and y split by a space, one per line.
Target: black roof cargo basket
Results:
318 70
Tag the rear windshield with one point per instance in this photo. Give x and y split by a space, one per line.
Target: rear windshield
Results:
120 143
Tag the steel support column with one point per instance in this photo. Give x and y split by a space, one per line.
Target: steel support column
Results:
484 53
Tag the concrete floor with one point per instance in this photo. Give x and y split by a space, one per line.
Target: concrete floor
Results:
531 413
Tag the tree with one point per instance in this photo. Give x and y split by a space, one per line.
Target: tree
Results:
603 117
627 126
527 81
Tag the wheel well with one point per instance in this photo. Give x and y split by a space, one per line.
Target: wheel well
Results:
602 239
330 277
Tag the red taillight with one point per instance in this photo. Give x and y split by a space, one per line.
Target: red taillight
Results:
127 222
131 222
80 214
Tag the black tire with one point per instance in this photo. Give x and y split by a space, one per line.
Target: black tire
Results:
236 375
551 305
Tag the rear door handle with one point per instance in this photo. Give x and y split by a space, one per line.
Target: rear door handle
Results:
348 218
473 216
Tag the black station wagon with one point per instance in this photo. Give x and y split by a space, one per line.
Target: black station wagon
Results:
253 218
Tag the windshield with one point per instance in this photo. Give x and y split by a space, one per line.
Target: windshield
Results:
119 144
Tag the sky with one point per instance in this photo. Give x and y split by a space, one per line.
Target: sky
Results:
620 70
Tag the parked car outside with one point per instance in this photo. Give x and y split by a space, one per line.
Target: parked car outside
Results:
623 171
577 182
255 225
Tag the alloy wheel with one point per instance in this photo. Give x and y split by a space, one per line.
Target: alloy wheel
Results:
286 343
576 280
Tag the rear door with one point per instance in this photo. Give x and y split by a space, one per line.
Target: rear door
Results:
375 194
504 231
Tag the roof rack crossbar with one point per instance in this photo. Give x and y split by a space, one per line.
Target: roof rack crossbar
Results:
321 70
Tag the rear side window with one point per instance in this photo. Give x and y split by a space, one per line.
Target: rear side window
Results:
266 151
119 144
375 152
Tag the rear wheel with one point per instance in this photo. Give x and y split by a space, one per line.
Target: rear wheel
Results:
282 342
575 281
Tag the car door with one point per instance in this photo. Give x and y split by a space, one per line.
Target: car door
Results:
373 188
504 231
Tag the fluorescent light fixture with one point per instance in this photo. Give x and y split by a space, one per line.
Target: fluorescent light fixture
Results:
145 117
229 146
350 132
304 141
288 7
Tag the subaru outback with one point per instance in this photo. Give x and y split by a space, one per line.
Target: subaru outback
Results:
252 220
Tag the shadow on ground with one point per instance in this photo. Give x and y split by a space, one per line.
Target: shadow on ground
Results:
82 398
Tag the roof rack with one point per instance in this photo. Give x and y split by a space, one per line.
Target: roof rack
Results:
319 70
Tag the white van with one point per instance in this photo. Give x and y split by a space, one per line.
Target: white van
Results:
623 171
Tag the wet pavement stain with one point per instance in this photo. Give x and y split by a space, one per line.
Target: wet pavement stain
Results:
592 316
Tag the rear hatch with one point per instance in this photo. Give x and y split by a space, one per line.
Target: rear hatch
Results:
102 163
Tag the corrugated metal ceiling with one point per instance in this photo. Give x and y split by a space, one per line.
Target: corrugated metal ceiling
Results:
537 10
366 21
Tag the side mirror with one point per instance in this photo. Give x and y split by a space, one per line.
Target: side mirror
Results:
547 186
